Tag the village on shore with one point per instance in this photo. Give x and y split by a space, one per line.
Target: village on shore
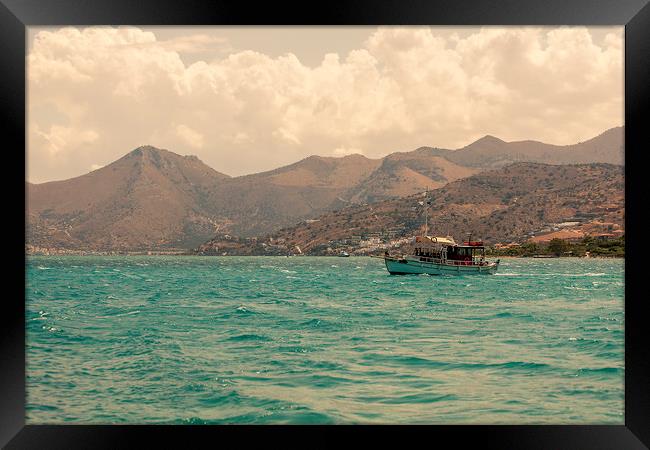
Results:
566 243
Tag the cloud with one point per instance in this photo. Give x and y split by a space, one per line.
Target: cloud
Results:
343 151
286 136
247 111
194 43
241 138
59 139
191 137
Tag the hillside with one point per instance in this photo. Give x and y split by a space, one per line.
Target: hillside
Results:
148 198
401 174
262 202
506 204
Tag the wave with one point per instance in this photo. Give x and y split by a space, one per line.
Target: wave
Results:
411 399
601 371
417 361
243 310
313 323
249 337
219 398
119 314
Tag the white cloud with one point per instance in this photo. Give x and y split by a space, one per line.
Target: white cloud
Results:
342 151
286 136
241 138
194 43
58 139
246 112
191 137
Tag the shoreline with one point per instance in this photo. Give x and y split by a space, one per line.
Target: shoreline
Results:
27 255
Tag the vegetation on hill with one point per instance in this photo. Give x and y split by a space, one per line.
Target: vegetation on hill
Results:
559 247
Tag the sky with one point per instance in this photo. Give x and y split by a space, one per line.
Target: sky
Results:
249 99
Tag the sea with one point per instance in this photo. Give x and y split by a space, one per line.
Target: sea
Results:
321 340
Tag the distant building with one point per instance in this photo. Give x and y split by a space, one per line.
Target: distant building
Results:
566 224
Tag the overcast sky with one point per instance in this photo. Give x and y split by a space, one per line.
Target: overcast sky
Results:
248 99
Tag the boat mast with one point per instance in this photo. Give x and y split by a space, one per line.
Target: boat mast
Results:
426 220
426 212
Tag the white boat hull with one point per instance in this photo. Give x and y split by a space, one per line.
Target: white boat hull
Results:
404 266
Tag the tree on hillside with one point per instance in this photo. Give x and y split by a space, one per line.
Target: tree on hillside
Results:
557 246
529 248
587 240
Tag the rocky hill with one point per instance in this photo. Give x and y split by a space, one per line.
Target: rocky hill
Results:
506 204
150 198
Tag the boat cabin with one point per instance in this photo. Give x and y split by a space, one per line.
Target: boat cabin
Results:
469 251
432 246
446 249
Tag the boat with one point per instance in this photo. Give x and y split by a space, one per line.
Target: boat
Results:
437 255
344 254
441 255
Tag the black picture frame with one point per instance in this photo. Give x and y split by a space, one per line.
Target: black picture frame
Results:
16 15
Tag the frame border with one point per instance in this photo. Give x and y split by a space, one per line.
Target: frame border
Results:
17 15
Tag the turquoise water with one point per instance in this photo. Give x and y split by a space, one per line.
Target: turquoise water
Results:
302 340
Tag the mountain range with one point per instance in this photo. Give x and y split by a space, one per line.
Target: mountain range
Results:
153 199
507 204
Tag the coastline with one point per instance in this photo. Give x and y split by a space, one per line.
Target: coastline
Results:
154 253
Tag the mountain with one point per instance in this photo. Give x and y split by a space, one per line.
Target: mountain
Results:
150 198
266 201
262 202
491 152
154 199
505 204
401 174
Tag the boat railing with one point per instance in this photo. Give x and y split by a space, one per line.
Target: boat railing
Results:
453 262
